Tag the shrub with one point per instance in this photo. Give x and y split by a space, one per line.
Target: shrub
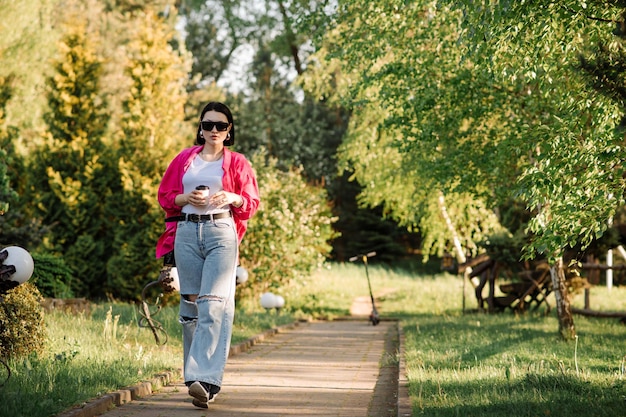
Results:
288 237
52 276
22 329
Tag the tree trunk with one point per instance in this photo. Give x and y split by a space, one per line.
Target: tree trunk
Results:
291 38
563 308
460 255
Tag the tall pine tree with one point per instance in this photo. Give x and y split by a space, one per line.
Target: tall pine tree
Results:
151 132
6 192
72 172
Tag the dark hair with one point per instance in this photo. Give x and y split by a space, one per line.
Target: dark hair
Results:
221 108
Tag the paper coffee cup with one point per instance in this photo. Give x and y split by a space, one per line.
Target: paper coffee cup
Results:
205 190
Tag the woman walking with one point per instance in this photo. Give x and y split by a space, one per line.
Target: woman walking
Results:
208 193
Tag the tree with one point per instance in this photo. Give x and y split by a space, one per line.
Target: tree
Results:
484 100
151 132
282 27
288 237
574 178
273 113
16 226
6 192
29 34
363 229
405 143
73 171
212 49
297 130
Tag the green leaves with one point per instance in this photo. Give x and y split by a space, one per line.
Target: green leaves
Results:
485 99
95 182
289 235
22 327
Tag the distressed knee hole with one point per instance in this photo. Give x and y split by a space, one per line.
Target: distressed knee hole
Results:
190 298
187 320
210 297
188 311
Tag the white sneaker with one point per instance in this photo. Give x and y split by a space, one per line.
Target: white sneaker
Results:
197 391
199 403
200 395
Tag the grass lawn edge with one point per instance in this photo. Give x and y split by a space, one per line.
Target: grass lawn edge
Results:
104 403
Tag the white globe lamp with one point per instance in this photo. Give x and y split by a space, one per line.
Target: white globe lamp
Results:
268 301
241 275
22 261
280 302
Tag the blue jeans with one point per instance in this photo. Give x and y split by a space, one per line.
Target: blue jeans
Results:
206 258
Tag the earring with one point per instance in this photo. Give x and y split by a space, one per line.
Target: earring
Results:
201 134
228 135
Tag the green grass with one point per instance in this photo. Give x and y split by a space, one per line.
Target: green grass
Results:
458 363
471 364
88 355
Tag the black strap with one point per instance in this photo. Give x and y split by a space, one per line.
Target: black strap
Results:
174 219
198 217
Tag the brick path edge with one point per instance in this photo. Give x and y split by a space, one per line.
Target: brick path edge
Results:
101 405
404 402
107 402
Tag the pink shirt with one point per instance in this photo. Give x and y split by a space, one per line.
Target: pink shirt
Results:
238 178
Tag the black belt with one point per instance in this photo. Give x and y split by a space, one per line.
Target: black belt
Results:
197 218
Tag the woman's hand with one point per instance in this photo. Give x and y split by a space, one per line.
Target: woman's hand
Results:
225 198
194 198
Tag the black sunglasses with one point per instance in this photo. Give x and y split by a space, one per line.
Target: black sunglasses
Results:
220 126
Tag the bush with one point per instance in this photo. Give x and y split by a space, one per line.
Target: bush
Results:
288 237
22 329
52 276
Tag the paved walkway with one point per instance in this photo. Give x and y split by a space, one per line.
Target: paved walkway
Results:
312 369
343 368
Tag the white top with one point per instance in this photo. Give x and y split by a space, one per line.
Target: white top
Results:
201 172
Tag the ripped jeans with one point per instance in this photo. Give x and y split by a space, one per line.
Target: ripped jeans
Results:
206 258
